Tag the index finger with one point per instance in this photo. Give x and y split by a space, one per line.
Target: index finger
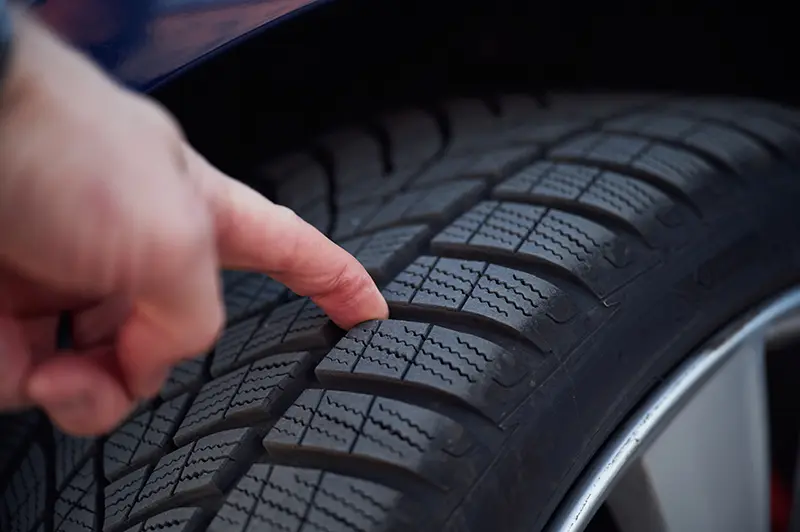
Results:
255 234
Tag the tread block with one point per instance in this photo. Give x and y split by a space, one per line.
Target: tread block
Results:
600 259
71 453
318 215
299 181
251 293
192 473
418 206
780 137
468 118
376 190
120 496
685 175
518 108
176 520
231 344
725 146
23 500
352 220
476 372
414 138
785 114
143 439
430 205
633 203
385 252
185 376
287 167
296 326
251 394
491 166
376 429
517 301
356 156
285 498
75 508
547 129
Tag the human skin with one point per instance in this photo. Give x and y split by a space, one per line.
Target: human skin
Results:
106 211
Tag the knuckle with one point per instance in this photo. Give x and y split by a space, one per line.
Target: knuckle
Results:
184 240
350 282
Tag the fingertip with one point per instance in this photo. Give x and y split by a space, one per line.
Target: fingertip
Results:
79 395
353 298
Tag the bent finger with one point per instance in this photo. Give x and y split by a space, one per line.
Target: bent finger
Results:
80 392
177 310
255 234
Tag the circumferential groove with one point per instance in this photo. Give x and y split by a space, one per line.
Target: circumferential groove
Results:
673 192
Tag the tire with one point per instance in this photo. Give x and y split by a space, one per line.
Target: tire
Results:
545 267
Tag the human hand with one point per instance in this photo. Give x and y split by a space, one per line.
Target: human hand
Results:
107 212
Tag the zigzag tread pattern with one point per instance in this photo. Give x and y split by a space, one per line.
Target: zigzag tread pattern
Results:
498 234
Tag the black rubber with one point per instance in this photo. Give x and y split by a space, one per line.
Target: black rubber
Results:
546 264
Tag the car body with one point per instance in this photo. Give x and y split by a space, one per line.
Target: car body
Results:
146 42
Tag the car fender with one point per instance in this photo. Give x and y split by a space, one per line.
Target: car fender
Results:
143 43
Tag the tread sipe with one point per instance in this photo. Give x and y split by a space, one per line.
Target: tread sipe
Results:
545 265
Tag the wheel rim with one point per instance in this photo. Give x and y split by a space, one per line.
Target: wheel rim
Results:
695 455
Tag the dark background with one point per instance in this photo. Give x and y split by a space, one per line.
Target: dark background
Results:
347 58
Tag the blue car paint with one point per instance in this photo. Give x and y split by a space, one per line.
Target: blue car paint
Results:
144 43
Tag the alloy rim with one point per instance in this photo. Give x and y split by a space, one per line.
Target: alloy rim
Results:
695 454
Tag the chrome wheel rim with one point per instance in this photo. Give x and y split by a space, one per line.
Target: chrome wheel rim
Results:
695 454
